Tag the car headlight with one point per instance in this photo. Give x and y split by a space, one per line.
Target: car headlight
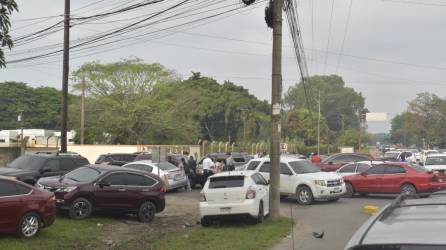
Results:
66 189
320 182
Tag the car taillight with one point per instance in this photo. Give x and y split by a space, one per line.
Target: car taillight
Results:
163 189
202 197
251 193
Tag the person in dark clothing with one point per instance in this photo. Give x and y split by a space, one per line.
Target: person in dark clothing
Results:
183 165
192 163
230 163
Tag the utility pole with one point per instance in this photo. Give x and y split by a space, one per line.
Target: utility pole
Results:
319 124
22 143
66 54
274 192
82 110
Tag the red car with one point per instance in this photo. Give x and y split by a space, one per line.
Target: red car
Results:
394 177
24 209
336 161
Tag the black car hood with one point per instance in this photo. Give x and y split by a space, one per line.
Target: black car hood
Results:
16 172
57 181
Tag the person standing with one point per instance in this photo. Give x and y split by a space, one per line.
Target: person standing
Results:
315 158
192 163
230 163
207 167
183 165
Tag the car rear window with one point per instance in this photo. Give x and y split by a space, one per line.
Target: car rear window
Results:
165 165
29 162
227 182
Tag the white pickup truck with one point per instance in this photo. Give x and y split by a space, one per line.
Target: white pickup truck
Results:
301 178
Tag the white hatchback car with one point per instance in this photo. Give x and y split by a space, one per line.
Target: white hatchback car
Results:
301 178
356 167
235 193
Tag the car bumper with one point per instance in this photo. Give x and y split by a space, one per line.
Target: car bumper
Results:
176 184
49 216
249 207
322 193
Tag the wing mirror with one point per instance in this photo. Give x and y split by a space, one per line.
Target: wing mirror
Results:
104 184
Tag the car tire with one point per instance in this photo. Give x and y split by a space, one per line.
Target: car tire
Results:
408 189
146 211
349 190
81 208
29 225
260 214
205 222
304 195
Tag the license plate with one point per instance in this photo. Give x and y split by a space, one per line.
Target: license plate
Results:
225 209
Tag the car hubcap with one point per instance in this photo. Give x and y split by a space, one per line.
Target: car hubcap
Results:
80 208
30 226
407 190
147 211
304 196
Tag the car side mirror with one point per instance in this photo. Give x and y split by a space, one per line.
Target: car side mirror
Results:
330 163
104 184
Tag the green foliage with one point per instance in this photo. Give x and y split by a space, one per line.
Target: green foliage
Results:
301 123
351 138
6 9
339 104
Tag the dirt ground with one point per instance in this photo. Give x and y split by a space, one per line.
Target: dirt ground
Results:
181 215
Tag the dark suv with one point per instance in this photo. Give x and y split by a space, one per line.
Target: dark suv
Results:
112 188
116 159
29 168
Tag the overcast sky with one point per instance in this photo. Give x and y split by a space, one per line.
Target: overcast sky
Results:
393 49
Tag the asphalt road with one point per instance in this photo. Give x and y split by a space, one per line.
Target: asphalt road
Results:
338 220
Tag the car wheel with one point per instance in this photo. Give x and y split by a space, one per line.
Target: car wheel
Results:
146 211
29 225
350 191
205 222
304 195
408 189
81 208
261 214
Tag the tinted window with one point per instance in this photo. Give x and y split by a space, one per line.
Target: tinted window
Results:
395 170
83 174
67 164
391 154
226 182
256 179
266 167
30 162
145 157
21 189
262 179
165 166
127 158
349 168
303 167
141 167
284 169
7 188
436 160
253 165
149 181
362 167
52 165
116 179
136 180
239 159
349 158
376 170
81 161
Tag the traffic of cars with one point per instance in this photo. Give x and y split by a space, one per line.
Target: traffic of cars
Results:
132 183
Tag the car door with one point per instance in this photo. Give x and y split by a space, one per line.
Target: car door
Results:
370 181
265 169
137 190
266 197
51 168
392 179
286 179
262 189
348 169
112 195
11 206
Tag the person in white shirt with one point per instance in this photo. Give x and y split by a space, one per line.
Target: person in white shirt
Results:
208 164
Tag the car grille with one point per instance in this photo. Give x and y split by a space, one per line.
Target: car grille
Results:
334 183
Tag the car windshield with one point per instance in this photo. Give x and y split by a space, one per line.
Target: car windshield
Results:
436 160
226 182
391 154
165 166
83 174
28 162
303 167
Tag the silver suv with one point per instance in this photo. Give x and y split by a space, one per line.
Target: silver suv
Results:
407 223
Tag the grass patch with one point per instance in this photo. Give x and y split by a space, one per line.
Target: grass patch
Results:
63 234
230 237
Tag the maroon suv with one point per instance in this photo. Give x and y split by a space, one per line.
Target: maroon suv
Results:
99 187
24 209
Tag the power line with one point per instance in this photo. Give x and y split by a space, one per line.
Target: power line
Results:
345 34
330 22
415 3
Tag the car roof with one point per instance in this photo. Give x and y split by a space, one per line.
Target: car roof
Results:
408 221
147 162
235 173
282 159
434 155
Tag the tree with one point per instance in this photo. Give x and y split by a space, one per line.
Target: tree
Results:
301 124
339 104
6 9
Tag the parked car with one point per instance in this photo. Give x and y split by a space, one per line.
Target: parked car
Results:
435 162
115 159
427 152
301 178
394 177
234 193
395 155
173 177
24 209
336 161
356 167
29 168
406 223
99 187
140 156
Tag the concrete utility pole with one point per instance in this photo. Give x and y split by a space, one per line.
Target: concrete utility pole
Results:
274 192
82 110
319 124
22 143
66 54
